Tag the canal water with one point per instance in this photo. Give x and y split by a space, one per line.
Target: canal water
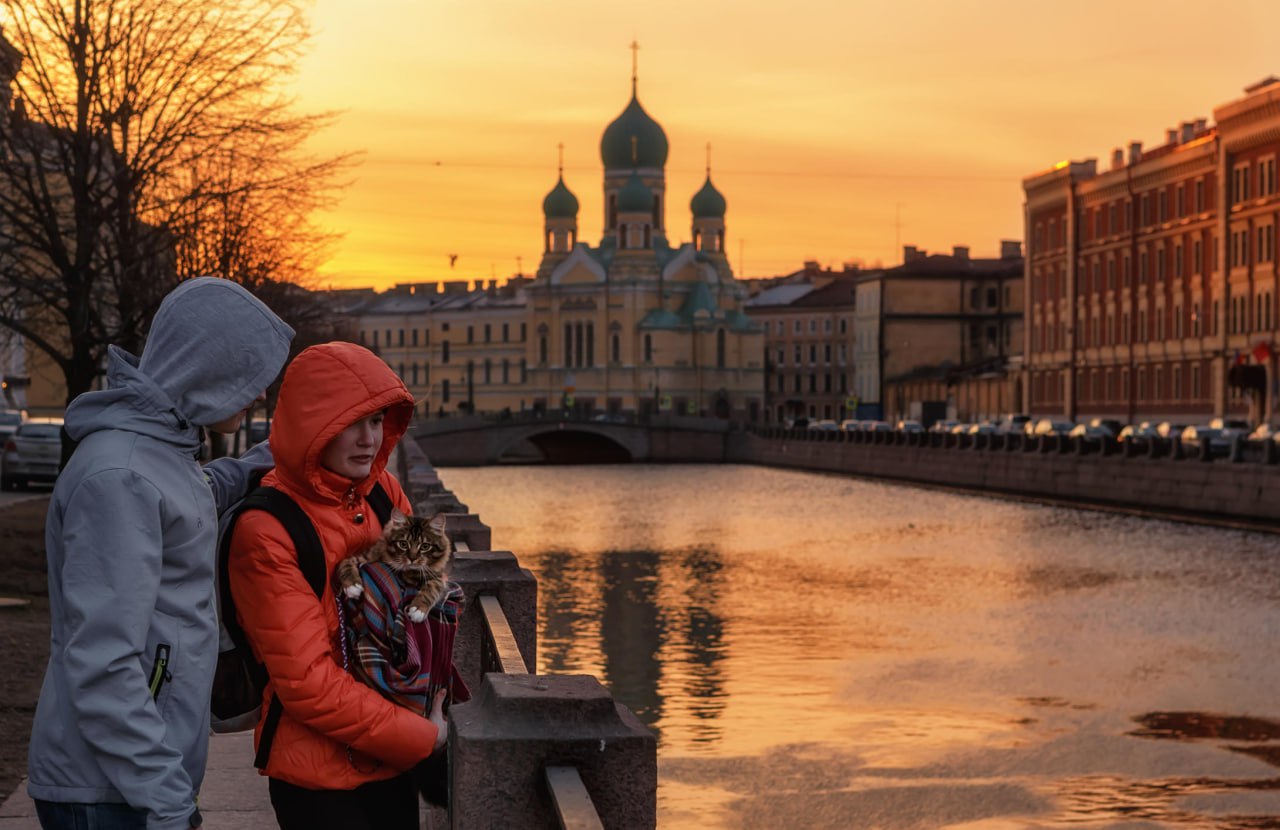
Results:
821 651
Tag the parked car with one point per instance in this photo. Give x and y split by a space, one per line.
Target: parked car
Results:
1265 432
910 426
983 428
9 421
31 453
1049 426
1138 434
1014 423
1096 429
825 425
1169 429
878 426
849 425
943 426
1197 435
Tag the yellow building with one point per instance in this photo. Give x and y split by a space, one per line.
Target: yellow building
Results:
629 325
634 324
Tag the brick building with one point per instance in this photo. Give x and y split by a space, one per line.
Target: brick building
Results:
1152 285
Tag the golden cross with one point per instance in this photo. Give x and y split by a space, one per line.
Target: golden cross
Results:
708 159
635 61
561 146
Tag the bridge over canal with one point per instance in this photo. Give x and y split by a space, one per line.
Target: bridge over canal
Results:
563 438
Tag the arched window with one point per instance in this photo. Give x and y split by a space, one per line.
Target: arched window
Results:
720 348
616 348
568 344
591 345
648 348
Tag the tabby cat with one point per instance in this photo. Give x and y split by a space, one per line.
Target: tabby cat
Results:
416 549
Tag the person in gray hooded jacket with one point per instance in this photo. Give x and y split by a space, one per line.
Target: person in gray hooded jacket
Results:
121 731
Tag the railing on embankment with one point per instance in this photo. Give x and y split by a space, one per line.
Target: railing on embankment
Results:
528 750
1165 477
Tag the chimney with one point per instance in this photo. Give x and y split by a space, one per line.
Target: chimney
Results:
1010 248
911 254
960 252
1202 124
1188 130
1135 152
1117 158
1170 136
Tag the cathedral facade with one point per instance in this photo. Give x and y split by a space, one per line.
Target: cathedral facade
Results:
633 323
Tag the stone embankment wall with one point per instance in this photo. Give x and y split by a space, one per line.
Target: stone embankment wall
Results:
1169 481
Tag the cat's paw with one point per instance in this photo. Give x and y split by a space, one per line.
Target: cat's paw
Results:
354 591
417 614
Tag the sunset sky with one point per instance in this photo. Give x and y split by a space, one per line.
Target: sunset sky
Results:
840 129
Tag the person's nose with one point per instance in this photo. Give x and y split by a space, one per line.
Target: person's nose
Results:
366 435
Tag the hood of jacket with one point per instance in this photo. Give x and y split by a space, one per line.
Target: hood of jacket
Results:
326 389
212 348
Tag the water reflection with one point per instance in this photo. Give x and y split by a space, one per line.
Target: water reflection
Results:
811 648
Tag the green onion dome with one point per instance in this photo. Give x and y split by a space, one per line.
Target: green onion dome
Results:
560 202
650 145
635 196
707 203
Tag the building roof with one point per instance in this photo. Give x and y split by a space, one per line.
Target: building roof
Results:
560 203
633 139
707 203
780 295
841 292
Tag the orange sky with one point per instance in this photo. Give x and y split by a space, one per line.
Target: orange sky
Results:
828 119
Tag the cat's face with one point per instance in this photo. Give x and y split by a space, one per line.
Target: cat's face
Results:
413 543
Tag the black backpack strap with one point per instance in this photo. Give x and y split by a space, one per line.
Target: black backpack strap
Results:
310 552
381 503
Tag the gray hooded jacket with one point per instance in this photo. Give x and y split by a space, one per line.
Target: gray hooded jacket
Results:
123 714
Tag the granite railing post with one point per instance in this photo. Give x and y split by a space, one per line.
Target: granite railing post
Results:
504 739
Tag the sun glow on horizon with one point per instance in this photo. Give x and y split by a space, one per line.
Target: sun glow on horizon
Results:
841 131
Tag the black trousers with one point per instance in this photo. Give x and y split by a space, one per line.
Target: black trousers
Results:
380 805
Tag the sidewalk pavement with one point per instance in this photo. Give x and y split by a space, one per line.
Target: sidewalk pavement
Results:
234 796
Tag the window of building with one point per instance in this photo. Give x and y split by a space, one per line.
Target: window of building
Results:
444 391
826 353
471 334
796 384
1180 200
488 372
444 351
648 348
524 371
1240 183
542 350
505 332
1267 176
1195 381
1111 274
799 353
813 382
1142 325
523 327
1146 209
388 340
444 326
844 326
1162 203
826 326
1124 328
1160 259
797 327
1159 315
487 328
1199 195
1177 260
400 341
813 353
615 348
506 371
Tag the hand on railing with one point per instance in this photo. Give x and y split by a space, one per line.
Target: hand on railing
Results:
437 717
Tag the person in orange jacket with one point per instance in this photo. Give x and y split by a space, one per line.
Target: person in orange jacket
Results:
342 752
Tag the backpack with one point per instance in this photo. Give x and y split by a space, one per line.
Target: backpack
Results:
239 679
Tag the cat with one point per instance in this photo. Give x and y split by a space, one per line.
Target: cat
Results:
416 549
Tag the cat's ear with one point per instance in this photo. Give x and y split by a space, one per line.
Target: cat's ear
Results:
395 521
437 523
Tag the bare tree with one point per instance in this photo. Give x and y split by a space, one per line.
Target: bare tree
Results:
147 141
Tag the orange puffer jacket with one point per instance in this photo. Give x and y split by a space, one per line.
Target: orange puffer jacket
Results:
326 710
